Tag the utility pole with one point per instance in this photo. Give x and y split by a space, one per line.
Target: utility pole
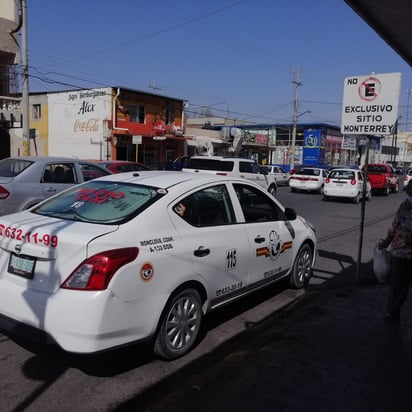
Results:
407 109
25 85
297 83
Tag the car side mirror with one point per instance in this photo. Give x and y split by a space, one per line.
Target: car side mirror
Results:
290 213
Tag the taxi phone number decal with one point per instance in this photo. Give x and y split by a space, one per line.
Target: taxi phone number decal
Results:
158 244
31 237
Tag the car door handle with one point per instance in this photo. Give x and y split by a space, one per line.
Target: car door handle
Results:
201 251
50 189
259 239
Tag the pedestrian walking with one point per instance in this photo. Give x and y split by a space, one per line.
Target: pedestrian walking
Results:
399 241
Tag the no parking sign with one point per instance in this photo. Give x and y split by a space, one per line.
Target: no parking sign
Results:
370 104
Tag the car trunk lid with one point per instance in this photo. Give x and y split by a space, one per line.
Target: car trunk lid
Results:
40 252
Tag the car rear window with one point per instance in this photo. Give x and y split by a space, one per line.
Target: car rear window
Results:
342 174
376 169
210 164
100 202
308 172
13 167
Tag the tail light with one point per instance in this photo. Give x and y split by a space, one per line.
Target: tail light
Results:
4 193
95 272
327 180
353 182
405 178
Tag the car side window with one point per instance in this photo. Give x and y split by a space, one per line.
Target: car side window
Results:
90 172
248 167
207 207
256 206
59 173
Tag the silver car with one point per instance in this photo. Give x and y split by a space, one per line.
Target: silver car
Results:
26 181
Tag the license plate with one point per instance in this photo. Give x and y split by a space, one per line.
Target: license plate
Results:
22 265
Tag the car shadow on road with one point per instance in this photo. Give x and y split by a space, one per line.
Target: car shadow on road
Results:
55 361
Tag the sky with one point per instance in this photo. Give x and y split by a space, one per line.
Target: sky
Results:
237 59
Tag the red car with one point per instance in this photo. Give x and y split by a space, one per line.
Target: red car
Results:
120 166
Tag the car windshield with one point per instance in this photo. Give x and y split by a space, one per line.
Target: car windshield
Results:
210 164
100 202
342 174
309 172
13 167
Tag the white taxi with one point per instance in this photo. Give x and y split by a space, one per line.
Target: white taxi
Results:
347 183
144 255
308 179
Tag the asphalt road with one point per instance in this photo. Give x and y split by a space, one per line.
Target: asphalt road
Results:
37 378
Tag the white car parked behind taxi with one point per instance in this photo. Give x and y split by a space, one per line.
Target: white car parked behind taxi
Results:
346 183
144 255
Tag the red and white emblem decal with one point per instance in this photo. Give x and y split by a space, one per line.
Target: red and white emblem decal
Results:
146 272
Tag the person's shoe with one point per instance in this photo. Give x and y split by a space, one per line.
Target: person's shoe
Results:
391 318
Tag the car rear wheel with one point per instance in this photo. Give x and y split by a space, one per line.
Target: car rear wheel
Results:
302 267
369 195
386 191
179 326
356 199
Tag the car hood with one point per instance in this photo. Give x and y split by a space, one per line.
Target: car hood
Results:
57 247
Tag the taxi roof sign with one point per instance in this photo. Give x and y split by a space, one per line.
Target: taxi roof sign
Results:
370 104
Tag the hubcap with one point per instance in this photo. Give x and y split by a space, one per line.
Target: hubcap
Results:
183 322
304 265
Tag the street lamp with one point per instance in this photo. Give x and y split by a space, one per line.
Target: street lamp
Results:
295 121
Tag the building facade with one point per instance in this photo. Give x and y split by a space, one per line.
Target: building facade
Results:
10 108
103 124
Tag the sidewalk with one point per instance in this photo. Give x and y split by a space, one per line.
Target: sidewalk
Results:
329 351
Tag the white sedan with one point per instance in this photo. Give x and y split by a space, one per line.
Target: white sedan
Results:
144 255
347 183
407 178
308 179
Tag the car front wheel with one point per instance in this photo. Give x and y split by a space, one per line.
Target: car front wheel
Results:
302 267
179 326
272 190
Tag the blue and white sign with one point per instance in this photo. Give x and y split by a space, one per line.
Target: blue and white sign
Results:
311 146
